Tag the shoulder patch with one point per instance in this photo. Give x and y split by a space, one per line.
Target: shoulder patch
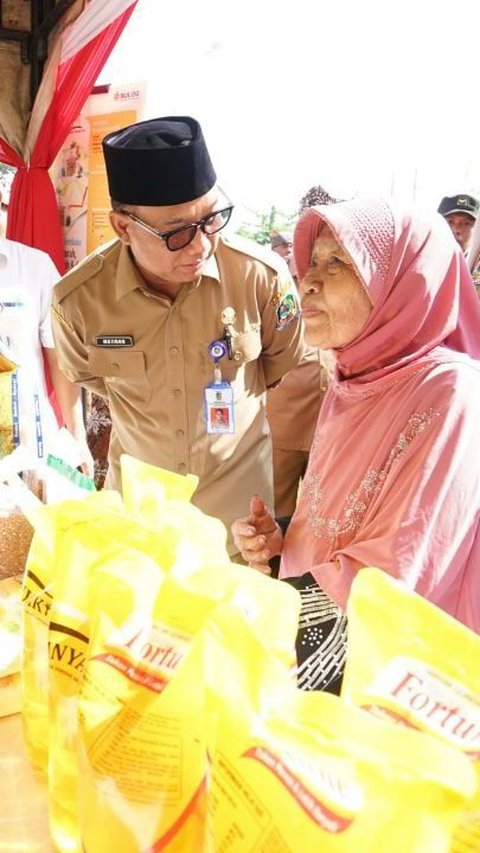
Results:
286 307
255 250
85 270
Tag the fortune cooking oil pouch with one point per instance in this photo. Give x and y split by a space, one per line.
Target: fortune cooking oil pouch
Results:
143 751
412 664
291 770
145 486
85 545
50 523
194 550
159 497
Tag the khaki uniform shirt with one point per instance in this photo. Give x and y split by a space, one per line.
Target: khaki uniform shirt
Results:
155 384
293 406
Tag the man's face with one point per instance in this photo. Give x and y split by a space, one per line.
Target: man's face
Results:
462 226
156 263
284 250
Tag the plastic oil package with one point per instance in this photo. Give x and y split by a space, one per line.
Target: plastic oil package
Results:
291 770
145 487
86 544
50 524
143 762
161 499
194 548
414 665
10 646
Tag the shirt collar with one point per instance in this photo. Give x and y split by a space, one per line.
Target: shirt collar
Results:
127 277
211 268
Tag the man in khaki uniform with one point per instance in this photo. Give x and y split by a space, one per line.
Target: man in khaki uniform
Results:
293 408
174 321
473 256
294 405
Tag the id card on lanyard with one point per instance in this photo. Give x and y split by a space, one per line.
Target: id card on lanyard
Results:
219 399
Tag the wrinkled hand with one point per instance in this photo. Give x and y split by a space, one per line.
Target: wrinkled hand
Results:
257 536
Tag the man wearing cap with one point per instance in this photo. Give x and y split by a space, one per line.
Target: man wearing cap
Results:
173 320
473 256
281 244
461 212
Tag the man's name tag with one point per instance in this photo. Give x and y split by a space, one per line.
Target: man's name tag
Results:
219 408
114 341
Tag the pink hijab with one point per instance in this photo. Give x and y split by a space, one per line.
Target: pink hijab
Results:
394 472
397 255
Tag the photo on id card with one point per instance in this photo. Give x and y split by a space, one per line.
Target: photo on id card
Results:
219 411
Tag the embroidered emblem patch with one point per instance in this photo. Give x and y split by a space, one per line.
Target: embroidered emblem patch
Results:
286 309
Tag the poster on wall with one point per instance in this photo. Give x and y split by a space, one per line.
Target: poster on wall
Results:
78 172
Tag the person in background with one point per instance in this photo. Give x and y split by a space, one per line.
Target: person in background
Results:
293 406
393 479
174 319
27 277
281 243
461 212
473 255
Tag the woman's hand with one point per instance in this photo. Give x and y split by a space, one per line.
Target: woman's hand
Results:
257 536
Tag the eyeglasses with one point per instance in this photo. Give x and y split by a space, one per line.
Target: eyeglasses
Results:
181 237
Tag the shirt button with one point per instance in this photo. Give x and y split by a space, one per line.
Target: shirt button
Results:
179 433
115 365
177 392
174 351
237 356
182 467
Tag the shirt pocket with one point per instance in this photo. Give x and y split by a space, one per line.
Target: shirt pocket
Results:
123 371
247 347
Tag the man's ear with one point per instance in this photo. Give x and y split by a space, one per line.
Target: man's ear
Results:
120 223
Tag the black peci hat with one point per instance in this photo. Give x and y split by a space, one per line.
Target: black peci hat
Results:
159 162
459 204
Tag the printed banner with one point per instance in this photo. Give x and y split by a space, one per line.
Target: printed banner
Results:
78 172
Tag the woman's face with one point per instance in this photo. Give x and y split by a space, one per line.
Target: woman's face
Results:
335 305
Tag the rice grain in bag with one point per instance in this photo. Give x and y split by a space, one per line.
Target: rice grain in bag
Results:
292 770
410 663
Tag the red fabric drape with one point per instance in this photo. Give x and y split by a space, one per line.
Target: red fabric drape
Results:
33 216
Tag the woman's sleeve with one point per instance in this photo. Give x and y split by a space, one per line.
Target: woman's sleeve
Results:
422 524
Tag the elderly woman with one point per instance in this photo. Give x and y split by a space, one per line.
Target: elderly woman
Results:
394 473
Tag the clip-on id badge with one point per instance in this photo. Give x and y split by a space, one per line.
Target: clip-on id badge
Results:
219 401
